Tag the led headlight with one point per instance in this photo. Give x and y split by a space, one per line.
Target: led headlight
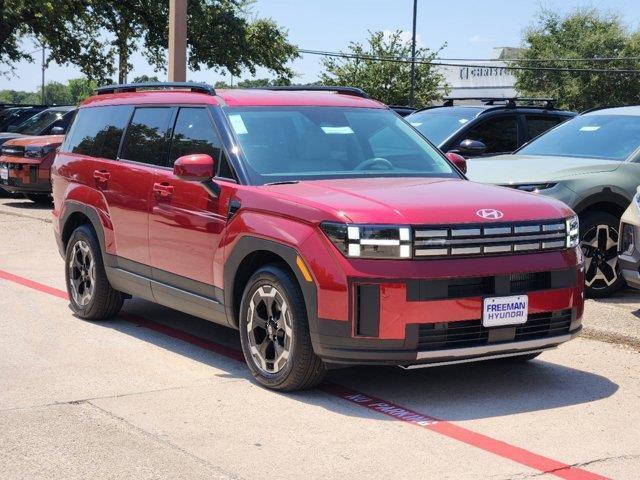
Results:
573 232
370 241
627 244
37 152
534 187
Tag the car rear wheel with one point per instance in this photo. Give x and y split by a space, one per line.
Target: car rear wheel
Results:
90 295
599 244
274 332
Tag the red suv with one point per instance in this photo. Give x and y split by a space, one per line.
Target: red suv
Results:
318 223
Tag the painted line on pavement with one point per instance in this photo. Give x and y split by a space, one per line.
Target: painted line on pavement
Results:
519 455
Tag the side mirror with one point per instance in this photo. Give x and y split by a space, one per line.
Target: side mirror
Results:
197 168
472 147
57 131
458 160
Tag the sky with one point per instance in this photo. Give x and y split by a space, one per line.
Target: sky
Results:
467 29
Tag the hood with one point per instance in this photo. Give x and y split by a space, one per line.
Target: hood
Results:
6 136
506 169
416 201
35 141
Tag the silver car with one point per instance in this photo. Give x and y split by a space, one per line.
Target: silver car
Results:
628 246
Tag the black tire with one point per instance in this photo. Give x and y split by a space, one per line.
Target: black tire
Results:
303 369
521 358
104 302
39 198
600 259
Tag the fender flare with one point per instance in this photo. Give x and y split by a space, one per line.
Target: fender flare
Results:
89 212
606 195
250 244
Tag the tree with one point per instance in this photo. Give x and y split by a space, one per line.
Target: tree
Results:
255 83
76 90
99 36
145 79
387 81
584 33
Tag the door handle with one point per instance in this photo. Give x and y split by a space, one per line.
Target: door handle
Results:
101 175
163 189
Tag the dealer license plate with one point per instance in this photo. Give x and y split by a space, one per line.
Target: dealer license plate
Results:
4 172
497 311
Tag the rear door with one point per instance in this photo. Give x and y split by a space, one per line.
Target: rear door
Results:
143 150
537 124
186 222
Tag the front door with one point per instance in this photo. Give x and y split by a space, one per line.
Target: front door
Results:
185 222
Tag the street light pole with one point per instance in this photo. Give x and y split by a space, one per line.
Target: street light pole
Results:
177 40
42 94
413 56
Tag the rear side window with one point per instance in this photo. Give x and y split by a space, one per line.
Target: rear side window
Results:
537 124
146 136
194 133
97 131
500 134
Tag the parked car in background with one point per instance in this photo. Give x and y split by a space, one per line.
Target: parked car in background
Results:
319 224
25 166
52 121
628 243
14 116
493 127
591 163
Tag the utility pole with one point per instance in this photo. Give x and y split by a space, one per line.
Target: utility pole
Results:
412 93
177 40
42 94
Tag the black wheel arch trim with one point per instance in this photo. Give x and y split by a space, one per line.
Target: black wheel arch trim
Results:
606 195
250 244
89 212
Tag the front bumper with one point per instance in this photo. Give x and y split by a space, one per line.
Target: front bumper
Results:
630 262
25 176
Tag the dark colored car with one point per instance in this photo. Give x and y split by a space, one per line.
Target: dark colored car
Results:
14 116
493 127
52 121
319 224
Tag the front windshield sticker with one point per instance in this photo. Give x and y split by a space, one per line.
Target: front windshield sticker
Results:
463 121
238 124
590 128
337 130
416 124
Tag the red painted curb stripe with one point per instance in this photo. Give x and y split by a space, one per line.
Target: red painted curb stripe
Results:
448 429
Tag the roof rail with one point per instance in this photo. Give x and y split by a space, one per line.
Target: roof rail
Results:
135 87
356 92
510 102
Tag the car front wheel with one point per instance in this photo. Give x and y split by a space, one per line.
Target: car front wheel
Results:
274 332
599 244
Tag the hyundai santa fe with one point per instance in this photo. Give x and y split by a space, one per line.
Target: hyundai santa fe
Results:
319 224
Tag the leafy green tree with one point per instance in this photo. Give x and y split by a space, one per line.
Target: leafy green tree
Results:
145 79
584 33
387 81
99 36
255 83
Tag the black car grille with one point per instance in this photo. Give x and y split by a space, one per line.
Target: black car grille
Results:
471 333
488 239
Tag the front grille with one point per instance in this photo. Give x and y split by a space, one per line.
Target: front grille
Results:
492 239
471 333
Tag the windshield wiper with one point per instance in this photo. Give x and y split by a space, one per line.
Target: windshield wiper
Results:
284 182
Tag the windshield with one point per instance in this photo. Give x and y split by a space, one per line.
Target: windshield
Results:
607 137
39 122
310 143
437 127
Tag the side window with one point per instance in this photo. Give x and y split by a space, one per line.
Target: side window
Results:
499 134
538 124
96 131
194 133
146 135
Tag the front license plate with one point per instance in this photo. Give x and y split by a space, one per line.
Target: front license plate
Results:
4 172
497 311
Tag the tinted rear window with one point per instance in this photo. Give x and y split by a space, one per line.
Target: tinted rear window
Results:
97 131
146 136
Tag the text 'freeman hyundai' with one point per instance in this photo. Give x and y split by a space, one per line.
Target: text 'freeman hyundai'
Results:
318 223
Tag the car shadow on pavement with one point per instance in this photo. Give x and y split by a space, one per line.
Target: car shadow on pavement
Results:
29 205
461 392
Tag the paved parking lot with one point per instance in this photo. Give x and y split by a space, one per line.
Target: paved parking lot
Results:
158 394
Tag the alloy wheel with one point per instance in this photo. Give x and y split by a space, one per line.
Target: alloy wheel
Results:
269 329
82 273
600 248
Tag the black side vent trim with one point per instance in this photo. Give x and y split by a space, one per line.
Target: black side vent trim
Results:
367 310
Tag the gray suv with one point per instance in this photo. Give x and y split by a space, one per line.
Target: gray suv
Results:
591 163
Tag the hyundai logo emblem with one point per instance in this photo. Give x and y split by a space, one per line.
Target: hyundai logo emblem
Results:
489 213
